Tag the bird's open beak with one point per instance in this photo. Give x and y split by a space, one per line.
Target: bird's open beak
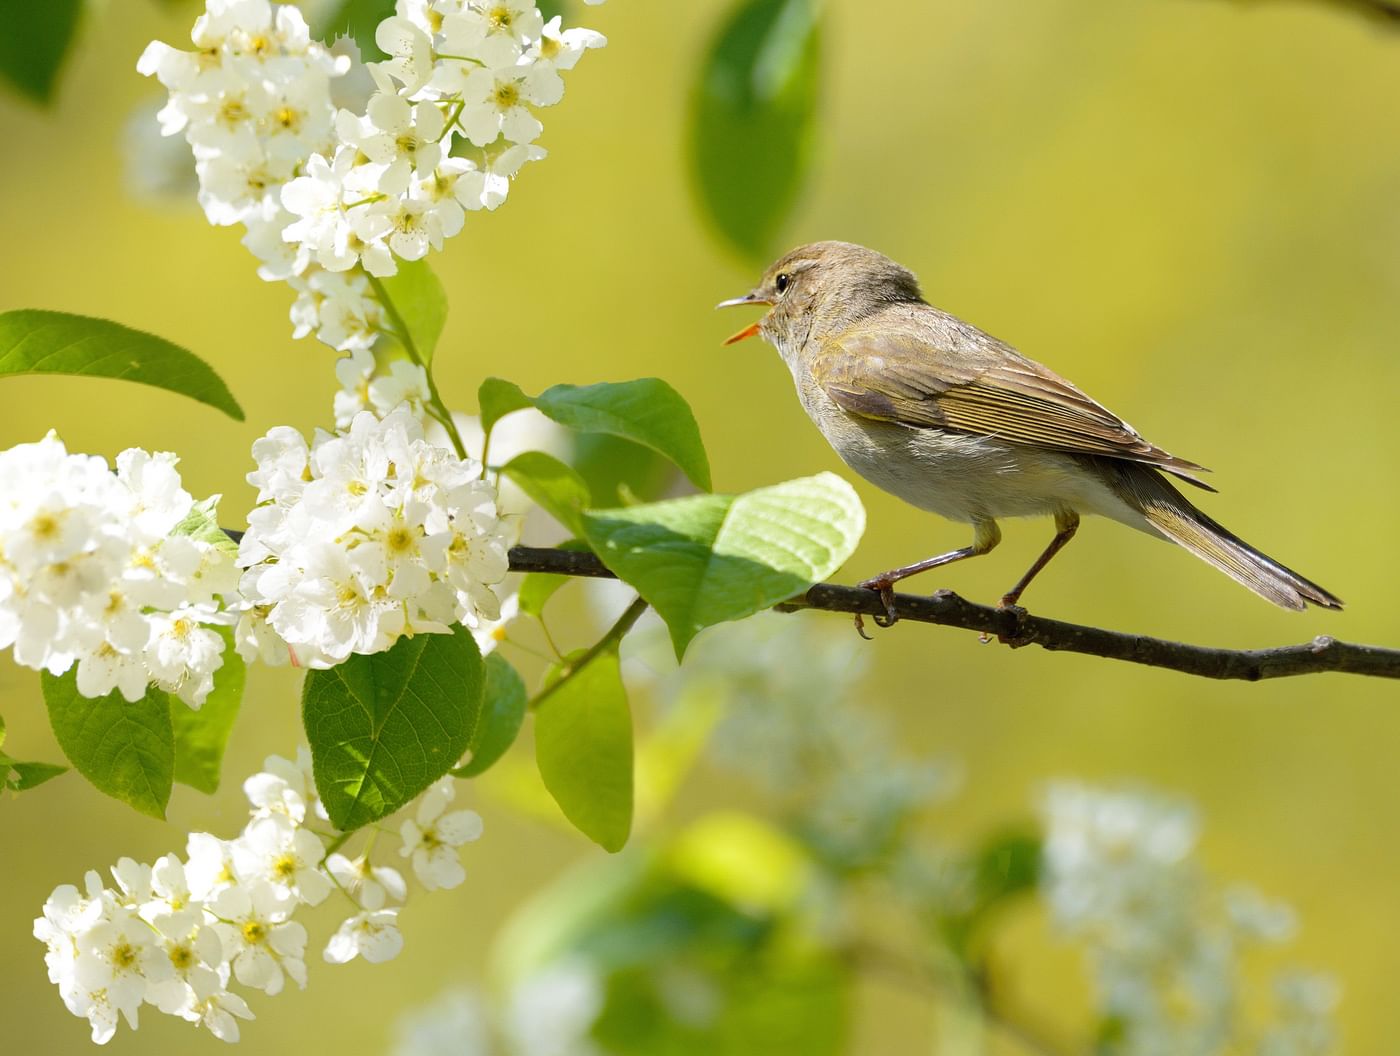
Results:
735 302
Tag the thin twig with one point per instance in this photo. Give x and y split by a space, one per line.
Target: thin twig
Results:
1018 628
609 641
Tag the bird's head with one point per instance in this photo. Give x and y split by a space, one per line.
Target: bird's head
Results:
825 284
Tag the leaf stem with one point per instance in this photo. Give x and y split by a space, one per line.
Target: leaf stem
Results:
439 408
604 644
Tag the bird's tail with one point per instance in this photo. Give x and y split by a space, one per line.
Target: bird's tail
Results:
1172 515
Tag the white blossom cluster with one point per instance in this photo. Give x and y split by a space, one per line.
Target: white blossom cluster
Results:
331 195
363 537
95 571
1165 944
179 933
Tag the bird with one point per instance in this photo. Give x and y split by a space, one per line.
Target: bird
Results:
956 422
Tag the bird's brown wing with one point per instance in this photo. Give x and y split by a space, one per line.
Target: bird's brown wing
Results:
942 376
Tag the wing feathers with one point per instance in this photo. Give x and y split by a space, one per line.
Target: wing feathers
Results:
938 372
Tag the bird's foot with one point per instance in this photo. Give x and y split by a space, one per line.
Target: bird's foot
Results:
1015 636
885 588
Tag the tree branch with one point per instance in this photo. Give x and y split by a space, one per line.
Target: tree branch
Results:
1018 628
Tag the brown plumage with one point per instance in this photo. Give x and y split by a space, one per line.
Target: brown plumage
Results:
954 421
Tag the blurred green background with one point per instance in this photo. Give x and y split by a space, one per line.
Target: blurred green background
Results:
1187 206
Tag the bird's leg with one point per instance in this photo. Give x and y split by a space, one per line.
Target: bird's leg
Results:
1066 524
986 535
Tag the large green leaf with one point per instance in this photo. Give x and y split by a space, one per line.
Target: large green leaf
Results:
36 37
383 728
126 749
496 398
41 342
419 305
550 483
502 712
583 747
620 472
200 736
753 119
356 19
706 559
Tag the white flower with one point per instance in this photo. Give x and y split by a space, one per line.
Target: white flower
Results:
391 535
215 1008
274 850
118 958
410 50
284 787
373 935
93 571
494 32
367 883
262 943
209 865
492 633
495 102
431 838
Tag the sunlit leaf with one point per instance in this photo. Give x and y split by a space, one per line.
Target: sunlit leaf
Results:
583 747
497 398
383 728
753 119
125 748
419 305
41 342
706 559
550 484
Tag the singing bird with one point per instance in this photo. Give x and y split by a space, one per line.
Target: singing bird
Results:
956 422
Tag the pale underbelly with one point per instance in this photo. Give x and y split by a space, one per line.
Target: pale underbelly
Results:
971 478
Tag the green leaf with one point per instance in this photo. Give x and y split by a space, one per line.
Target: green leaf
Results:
552 485
753 118
706 559
383 728
583 747
357 19
126 749
619 471
502 712
36 38
646 411
41 342
419 305
200 736
202 523
497 398
550 8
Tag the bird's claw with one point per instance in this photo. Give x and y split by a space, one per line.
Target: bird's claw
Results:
1016 637
885 588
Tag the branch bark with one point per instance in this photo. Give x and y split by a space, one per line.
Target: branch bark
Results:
1018 628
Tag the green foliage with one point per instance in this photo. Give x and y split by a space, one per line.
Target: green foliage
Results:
550 8
706 559
646 411
37 36
201 736
620 472
1003 869
126 749
356 19
753 119
383 728
419 305
643 925
552 485
202 523
497 398
42 342
583 747
502 712
19 776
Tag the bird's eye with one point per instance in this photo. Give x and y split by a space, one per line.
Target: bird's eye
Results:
782 282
